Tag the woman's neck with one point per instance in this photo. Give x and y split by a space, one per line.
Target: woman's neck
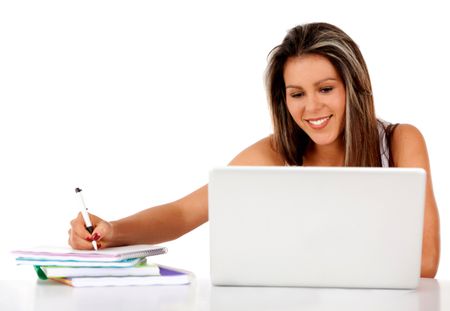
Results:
325 155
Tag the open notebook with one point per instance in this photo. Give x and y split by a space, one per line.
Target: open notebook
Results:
112 254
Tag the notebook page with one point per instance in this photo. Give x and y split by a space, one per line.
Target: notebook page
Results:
108 254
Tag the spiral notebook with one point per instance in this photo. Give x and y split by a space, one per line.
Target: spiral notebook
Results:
131 262
112 254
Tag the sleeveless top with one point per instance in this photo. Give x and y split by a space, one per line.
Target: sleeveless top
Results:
384 147
385 130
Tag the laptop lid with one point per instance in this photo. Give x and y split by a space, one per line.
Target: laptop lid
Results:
316 226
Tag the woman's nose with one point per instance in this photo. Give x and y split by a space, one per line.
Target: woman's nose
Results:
313 104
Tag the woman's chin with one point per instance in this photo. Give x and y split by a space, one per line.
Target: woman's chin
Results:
324 140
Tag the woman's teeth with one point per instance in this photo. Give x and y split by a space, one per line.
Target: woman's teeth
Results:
318 122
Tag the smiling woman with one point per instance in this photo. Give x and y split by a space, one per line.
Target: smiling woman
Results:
323 115
316 101
320 59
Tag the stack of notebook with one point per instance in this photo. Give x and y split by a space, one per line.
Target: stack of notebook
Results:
115 266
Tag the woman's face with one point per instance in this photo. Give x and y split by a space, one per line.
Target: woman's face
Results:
315 97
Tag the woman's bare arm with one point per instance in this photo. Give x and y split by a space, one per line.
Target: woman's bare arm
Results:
409 150
165 222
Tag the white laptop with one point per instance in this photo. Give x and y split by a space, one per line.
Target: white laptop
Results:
316 226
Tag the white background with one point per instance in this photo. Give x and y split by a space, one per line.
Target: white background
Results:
134 101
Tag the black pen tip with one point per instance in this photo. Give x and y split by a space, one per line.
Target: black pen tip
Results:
77 190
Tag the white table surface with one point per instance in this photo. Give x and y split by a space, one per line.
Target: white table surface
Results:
36 295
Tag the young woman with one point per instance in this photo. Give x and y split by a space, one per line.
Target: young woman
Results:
323 115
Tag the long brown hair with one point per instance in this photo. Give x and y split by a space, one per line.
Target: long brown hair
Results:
360 135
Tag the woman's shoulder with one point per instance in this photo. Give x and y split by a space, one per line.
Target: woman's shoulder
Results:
263 153
407 134
408 147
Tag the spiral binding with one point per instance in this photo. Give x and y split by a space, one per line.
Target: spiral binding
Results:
146 253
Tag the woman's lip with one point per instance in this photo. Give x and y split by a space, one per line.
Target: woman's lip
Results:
318 123
320 118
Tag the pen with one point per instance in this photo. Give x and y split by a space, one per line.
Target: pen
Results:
84 213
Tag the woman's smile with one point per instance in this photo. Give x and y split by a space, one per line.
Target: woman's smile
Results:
318 123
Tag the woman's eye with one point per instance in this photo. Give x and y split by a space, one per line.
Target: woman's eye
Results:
297 94
326 89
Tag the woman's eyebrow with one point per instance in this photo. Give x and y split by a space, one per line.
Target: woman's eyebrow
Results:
293 87
326 79
315 83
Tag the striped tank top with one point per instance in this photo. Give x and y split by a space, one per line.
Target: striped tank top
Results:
385 130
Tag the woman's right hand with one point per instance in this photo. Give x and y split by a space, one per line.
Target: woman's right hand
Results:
80 238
